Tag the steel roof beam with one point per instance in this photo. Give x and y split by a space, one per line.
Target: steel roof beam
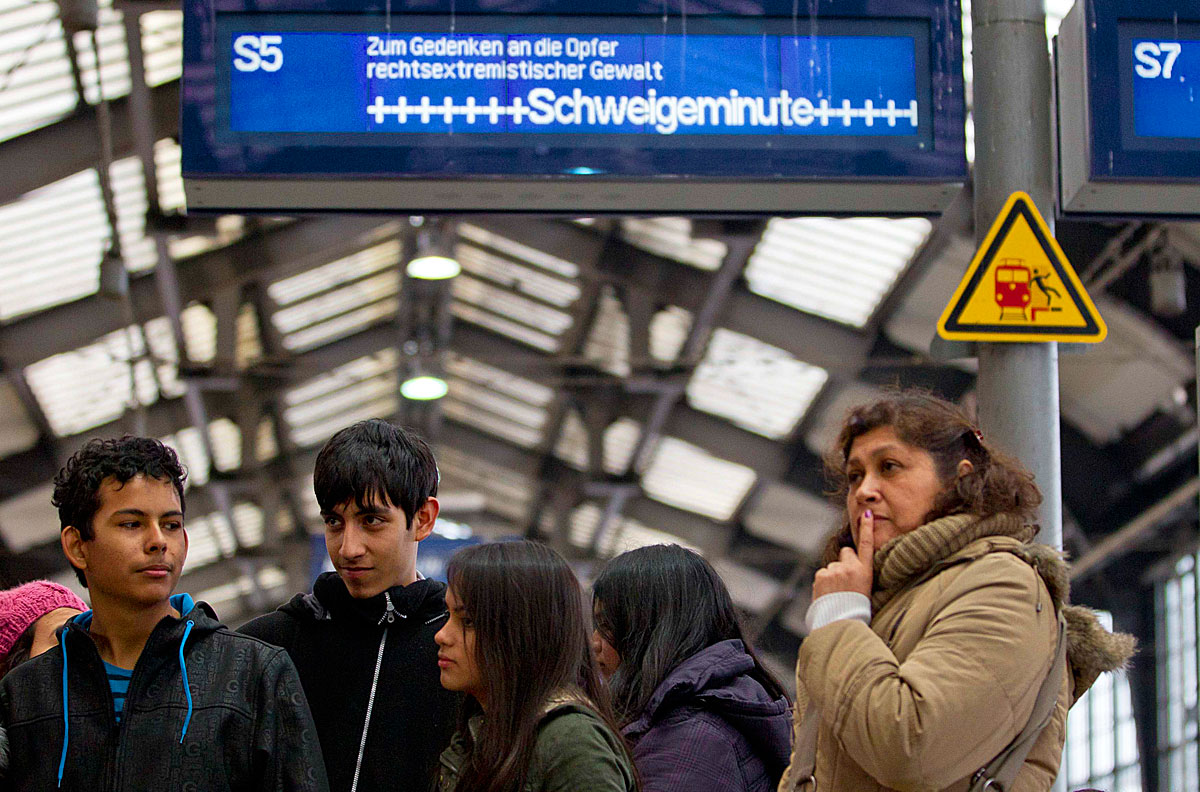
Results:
26 166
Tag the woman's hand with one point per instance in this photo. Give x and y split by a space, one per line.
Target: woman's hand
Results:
852 571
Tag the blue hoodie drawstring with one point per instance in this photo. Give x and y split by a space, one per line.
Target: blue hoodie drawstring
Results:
187 691
62 763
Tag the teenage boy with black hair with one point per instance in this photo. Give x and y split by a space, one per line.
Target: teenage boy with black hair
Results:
148 691
363 639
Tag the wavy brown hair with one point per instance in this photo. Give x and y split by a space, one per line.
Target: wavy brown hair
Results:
997 484
532 644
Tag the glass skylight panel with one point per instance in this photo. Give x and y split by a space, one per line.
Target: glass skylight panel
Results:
189 447
199 332
515 330
114 57
168 158
672 238
35 76
376 258
341 326
331 304
608 340
501 426
668 331
526 280
749 589
515 410
320 431
582 524
631 534
628 534
534 313
619 441
227 444
753 384
507 491
343 400
162 46
498 380
687 477
836 268
518 250
209 539
43 266
355 371
220 597
88 387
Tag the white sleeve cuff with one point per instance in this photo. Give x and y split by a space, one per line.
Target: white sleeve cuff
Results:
839 605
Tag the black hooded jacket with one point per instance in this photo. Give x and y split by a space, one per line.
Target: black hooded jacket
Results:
352 659
207 709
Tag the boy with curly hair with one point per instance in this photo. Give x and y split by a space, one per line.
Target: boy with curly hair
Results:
147 690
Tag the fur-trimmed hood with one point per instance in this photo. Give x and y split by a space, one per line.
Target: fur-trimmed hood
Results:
1091 649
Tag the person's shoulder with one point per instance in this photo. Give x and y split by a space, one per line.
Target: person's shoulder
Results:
572 725
274 627
253 652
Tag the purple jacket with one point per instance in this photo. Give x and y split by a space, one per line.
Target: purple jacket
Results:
710 726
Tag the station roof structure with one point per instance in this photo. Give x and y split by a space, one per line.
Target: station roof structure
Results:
612 381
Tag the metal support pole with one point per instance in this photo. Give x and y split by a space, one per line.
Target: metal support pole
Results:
1018 383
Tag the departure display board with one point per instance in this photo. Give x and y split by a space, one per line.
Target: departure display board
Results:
1128 92
1164 74
559 107
564 84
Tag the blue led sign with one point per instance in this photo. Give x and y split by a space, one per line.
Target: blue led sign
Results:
609 106
1166 84
285 81
1128 74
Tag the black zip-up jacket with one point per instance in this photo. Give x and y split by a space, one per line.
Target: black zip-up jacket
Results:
373 656
207 709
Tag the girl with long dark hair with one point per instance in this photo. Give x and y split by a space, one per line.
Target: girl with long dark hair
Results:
536 717
699 709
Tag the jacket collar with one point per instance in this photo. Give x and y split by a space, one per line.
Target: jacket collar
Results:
169 629
911 556
420 602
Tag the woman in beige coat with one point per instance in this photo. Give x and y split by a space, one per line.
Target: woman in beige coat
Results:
934 622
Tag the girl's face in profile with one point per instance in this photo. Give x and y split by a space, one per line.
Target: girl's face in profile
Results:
456 652
606 656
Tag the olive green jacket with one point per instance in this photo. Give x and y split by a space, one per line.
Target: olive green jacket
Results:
575 752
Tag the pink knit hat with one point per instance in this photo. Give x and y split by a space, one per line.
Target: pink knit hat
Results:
23 605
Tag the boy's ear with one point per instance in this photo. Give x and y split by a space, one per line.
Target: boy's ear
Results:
425 517
73 547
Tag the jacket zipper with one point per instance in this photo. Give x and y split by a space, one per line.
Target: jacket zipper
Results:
389 615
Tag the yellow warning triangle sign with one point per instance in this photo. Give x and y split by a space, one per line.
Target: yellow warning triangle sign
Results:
1020 287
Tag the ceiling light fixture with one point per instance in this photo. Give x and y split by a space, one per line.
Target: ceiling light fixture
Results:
424 388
